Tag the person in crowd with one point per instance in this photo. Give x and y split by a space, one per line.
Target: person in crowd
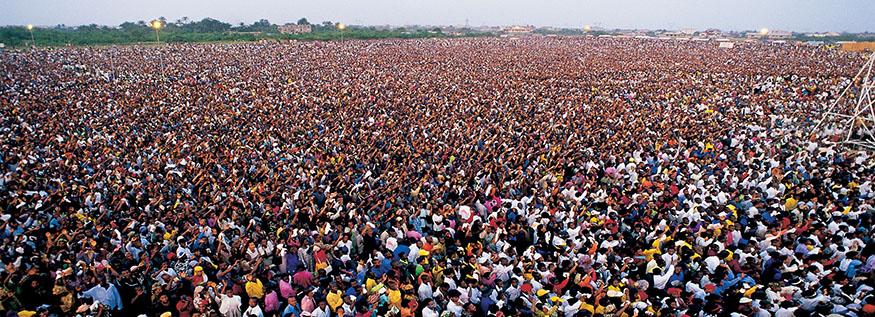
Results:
566 176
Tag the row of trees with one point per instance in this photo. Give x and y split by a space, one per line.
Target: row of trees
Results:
186 31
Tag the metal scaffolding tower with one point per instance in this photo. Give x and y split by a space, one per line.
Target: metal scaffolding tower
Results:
854 118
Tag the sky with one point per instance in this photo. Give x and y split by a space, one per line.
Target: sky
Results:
736 15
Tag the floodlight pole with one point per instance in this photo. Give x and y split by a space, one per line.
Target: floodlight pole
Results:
32 39
341 27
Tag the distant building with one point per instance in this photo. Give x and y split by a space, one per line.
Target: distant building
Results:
823 34
520 29
711 33
295 28
688 32
629 33
772 35
779 35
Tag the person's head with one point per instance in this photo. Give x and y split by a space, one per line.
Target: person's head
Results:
470 308
253 302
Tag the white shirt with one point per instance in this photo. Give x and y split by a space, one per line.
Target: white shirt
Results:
428 312
455 309
425 291
713 262
785 312
660 281
229 306
253 311
318 312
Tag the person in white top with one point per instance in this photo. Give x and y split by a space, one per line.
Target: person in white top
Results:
425 289
229 304
254 310
660 279
322 310
430 309
454 305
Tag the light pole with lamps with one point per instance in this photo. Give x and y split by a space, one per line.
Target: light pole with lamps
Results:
341 27
32 40
156 25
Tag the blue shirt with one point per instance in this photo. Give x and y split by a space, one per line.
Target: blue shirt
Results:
291 311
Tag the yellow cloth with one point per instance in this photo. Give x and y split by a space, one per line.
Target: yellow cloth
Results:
790 204
648 254
376 288
394 297
550 312
370 283
750 292
587 307
255 289
334 299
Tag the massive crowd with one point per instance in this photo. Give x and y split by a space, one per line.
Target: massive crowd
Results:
436 177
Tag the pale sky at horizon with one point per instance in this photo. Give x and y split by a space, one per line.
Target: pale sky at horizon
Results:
791 15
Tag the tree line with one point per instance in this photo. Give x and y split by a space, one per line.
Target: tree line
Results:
206 30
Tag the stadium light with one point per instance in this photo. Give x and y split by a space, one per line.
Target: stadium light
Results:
764 31
32 40
341 27
156 25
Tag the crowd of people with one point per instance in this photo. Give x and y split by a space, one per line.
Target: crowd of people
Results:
566 176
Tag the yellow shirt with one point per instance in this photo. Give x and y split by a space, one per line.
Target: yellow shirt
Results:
370 283
255 289
648 254
790 204
587 307
394 297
